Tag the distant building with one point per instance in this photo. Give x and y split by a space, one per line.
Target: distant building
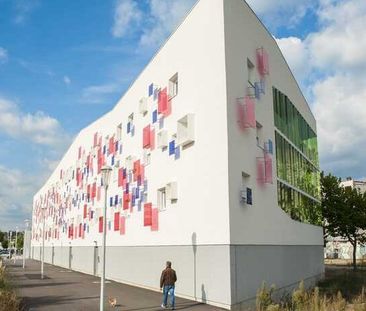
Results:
215 167
338 247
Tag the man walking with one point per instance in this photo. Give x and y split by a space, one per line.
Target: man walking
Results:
167 283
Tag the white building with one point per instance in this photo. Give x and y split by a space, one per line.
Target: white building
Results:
204 157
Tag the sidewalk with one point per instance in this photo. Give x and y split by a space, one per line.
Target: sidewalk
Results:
67 290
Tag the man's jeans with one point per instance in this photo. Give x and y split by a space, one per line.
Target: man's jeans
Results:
168 290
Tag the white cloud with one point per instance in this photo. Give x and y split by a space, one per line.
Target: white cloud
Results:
39 128
297 56
3 55
164 16
16 192
126 13
282 12
23 9
97 94
67 80
341 43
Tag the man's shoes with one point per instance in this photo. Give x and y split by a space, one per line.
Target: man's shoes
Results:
163 306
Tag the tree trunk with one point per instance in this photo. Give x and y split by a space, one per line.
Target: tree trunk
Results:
354 254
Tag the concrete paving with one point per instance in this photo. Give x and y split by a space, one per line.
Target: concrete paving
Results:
67 290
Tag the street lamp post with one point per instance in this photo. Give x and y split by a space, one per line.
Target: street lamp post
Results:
106 174
25 236
43 233
16 244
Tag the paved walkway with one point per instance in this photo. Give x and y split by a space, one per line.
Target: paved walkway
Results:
67 290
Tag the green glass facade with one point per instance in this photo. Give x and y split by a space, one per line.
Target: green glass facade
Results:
297 162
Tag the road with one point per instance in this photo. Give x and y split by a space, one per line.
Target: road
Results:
66 290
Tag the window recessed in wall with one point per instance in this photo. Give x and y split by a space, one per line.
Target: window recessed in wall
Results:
259 134
173 86
163 139
162 199
147 157
119 131
172 191
185 130
143 106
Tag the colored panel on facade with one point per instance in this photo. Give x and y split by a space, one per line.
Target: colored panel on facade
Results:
268 169
163 101
85 213
154 116
101 224
151 89
147 214
152 139
172 147
116 221
262 61
246 113
146 137
122 226
260 170
154 219
95 142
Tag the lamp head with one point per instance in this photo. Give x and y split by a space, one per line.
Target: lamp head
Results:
106 175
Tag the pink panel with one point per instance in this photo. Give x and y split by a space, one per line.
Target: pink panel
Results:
122 225
95 143
262 61
268 169
163 101
260 170
155 219
100 224
152 139
147 214
246 112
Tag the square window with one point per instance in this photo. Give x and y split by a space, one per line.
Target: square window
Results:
162 199
185 130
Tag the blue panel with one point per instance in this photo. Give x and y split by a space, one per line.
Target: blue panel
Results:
270 146
133 200
127 188
257 90
132 130
263 86
111 201
116 146
177 153
116 200
120 149
128 127
151 89
154 116
137 193
84 227
112 161
104 149
145 185
172 147
249 196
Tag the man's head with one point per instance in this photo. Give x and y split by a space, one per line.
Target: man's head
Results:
168 264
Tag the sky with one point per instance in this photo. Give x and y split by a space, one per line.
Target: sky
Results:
63 64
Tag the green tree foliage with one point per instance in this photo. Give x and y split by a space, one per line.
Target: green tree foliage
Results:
5 244
344 212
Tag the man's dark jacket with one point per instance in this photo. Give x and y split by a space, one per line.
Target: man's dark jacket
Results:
168 277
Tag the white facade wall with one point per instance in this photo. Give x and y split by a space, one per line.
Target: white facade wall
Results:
221 249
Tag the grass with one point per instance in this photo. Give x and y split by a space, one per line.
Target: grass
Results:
342 289
8 299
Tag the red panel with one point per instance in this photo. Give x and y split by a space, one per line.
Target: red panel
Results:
120 177
88 191
155 219
147 214
101 224
152 139
80 230
85 211
111 145
136 169
163 101
126 201
146 137
116 221
122 226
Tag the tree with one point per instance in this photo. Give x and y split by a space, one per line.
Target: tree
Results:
5 244
20 240
344 212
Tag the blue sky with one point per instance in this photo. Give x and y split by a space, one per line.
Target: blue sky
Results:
65 63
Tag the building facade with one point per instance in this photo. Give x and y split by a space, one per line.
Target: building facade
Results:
215 167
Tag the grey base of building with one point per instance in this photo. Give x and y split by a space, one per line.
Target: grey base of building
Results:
227 276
